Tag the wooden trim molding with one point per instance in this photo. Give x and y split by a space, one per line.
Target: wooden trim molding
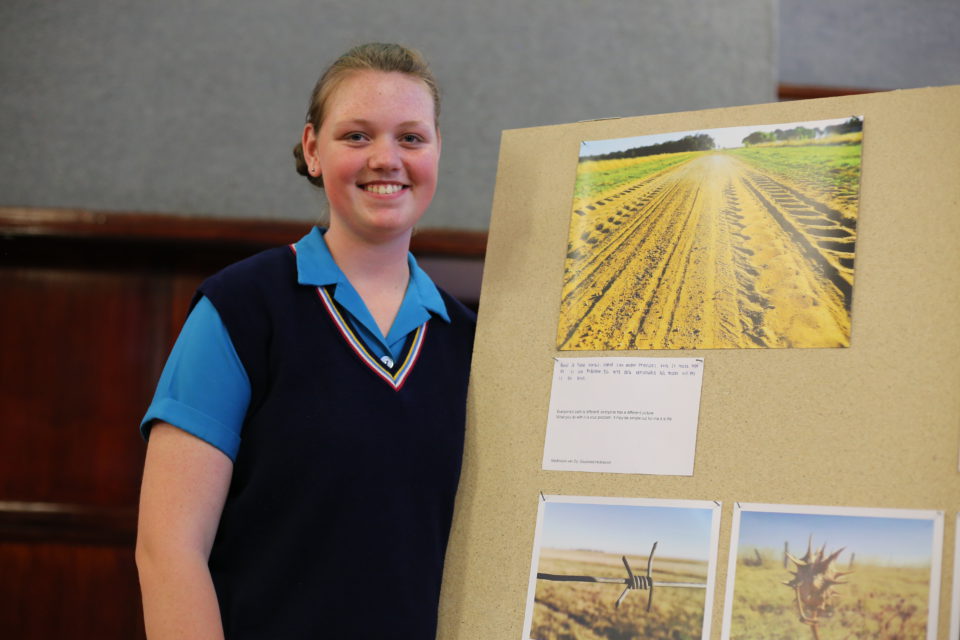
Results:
170 230
806 92
67 523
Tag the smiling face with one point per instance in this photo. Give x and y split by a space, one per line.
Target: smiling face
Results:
377 150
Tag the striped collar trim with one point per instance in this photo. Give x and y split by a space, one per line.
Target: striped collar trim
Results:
394 376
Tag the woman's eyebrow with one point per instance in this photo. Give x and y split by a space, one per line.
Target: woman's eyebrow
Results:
366 123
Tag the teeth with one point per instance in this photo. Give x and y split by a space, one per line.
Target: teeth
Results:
383 189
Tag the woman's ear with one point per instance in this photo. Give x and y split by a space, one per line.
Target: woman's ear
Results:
309 143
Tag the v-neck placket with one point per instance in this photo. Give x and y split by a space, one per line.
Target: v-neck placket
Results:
390 356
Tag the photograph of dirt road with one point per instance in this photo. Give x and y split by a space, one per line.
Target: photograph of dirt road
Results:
819 573
720 238
580 578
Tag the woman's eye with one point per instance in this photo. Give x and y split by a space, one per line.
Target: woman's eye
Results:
411 138
355 137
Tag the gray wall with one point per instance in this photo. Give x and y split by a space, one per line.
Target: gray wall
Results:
192 107
876 44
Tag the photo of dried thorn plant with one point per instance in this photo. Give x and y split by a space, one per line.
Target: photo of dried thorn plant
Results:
821 576
955 598
721 238
622 569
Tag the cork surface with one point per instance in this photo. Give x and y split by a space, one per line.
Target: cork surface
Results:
876 424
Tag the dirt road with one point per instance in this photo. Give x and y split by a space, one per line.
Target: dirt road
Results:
712 253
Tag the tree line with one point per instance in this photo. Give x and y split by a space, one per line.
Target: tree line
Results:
698 142
853 124
704 142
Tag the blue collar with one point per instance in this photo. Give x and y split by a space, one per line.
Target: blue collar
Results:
316 267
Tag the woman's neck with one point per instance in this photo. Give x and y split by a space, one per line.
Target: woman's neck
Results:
378 271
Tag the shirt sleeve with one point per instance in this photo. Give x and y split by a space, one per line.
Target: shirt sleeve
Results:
204 388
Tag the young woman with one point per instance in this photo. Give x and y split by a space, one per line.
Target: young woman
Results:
306 434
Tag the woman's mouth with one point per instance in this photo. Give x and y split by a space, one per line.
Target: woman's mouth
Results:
383 189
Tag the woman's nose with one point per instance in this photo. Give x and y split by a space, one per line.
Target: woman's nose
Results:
384 155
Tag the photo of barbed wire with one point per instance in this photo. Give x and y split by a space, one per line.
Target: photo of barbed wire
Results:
607 568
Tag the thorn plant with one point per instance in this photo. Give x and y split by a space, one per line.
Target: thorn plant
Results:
813 584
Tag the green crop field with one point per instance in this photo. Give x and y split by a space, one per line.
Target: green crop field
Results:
833 171
598 177
877 603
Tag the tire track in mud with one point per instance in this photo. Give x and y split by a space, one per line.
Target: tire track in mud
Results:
680 260
818 230
750 304
645 242
712 253
582 263
587 274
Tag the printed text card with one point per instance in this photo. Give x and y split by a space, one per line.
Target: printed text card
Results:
624 415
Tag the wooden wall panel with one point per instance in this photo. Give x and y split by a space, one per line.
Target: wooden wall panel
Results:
68 591
80 351
90 305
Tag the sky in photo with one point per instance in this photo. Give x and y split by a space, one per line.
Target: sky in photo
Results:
881 540
627 529
725 138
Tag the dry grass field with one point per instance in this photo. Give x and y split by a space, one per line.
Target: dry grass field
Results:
585 611
876 603
746 248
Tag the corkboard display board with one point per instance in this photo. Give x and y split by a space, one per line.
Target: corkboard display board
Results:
876 424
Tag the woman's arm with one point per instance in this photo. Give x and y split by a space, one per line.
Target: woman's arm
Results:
185 483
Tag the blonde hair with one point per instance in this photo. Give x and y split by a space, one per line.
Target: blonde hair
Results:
374 56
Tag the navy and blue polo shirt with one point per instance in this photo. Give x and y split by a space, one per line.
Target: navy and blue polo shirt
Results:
204 388
337 517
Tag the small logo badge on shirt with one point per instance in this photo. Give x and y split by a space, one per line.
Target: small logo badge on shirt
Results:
387 362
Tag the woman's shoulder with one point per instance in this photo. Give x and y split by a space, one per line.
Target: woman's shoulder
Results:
458 312
264 266
246 290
